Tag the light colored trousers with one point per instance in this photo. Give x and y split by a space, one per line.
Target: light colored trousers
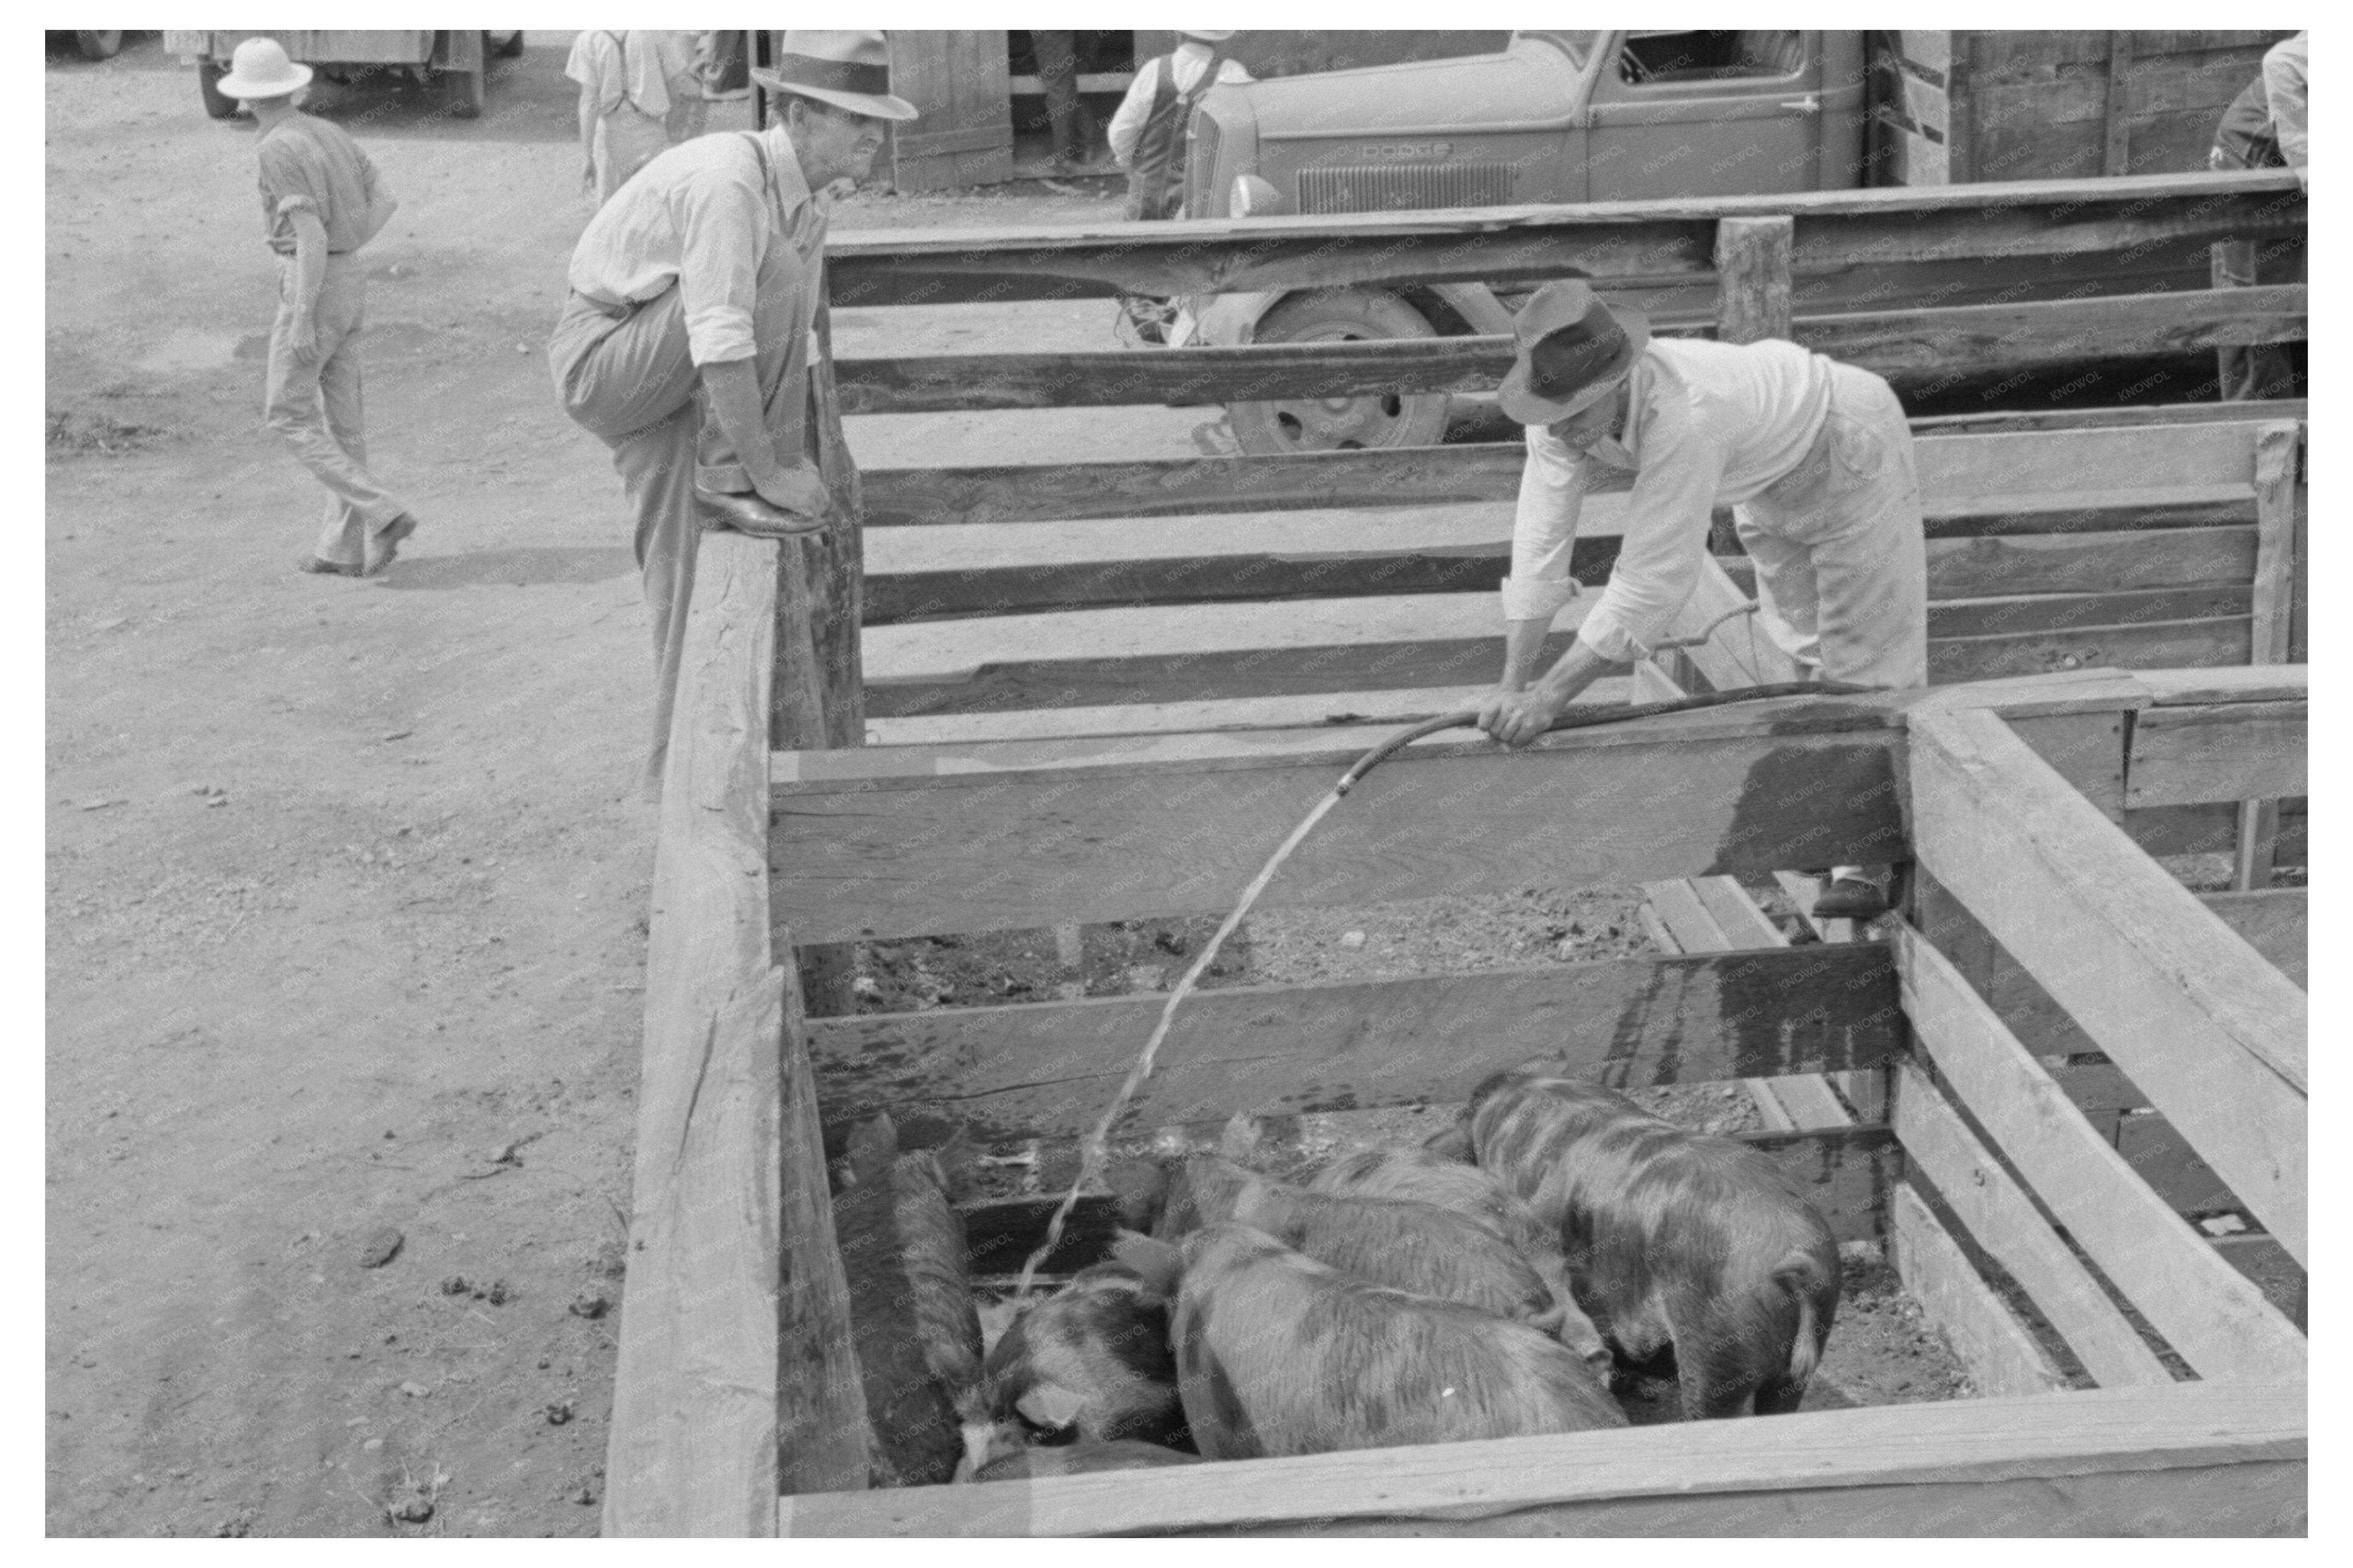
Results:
1840 551
631 383
1841 557
316 406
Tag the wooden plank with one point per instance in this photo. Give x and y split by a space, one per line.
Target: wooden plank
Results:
2279 502
2201 1020
2223 751
1961 339
2096 563
1686 920
2157 645
2255 683
2000 1354
1046 1069
1970 476
1182 825
2218 1322
1400 707
1752 272
693 1444
2002 1220
2162 1157
2023 613
1508 245
2116 150
2180 1460
2079 418
2274 920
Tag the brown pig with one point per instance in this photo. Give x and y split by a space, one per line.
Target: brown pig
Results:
1090 1361
1675 1238
1277 1354
912 1322
1406 1246
1425 1176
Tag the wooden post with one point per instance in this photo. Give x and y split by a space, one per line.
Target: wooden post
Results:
1960 112
2117 157
1752 271
820 686
2277 522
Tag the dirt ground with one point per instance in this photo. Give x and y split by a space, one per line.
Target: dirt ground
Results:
346 881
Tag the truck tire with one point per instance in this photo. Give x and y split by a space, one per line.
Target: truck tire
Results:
217 104
511 47
99 46
465 92
1340 423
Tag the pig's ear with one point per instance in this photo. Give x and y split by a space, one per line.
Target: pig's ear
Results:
1455 1142
1244 1140
1161 1266
1050 1405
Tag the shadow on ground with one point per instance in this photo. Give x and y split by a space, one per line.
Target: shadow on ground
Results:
525 568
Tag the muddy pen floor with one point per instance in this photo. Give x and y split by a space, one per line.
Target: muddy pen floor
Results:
1882 1349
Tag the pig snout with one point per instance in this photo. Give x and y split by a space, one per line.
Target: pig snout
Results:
1091 1360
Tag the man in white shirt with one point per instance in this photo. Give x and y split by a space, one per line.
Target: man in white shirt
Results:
1148 133
1814 456
689 341
627 81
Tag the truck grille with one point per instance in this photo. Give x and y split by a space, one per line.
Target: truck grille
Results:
1202 198
1391 188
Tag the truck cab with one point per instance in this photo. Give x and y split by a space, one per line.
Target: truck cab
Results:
1556 117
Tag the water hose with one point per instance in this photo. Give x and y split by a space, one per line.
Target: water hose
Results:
1093 1153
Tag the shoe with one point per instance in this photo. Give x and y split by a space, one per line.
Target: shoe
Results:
382 549
319 566
1849 899
750 515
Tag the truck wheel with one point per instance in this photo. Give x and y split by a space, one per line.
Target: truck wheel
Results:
465 92
1340 423
511 47
217 104
99 46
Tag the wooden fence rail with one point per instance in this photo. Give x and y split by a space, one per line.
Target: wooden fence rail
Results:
1602 240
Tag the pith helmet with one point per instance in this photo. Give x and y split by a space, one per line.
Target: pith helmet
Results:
260 69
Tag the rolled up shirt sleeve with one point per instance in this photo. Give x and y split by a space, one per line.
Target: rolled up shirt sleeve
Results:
1544 530
724 234
1665 539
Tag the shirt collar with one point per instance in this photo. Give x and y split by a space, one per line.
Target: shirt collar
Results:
786 184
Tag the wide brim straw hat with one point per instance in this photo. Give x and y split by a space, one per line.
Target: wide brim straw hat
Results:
1572 349
260 69
847 69
1206 35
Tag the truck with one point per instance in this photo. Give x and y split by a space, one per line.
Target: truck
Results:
1603 116
457 59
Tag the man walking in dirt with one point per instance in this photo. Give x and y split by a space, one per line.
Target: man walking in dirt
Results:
686 345
628 83
322 199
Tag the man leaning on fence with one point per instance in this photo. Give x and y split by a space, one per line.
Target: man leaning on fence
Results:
686 345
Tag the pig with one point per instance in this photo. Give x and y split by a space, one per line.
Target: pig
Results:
1421 1175
1080 1459
1412 1246
1279 1354
912 1322
1092 1361
1675 1238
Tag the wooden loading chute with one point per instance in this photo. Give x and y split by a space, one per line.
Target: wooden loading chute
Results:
2029 795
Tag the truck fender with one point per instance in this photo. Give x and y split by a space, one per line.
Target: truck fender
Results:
1228 321
1477 305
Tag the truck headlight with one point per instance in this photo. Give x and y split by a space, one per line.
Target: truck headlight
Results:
1254 197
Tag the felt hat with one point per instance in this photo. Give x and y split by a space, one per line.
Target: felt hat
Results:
847 69
260 69
1206 35
1571 350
